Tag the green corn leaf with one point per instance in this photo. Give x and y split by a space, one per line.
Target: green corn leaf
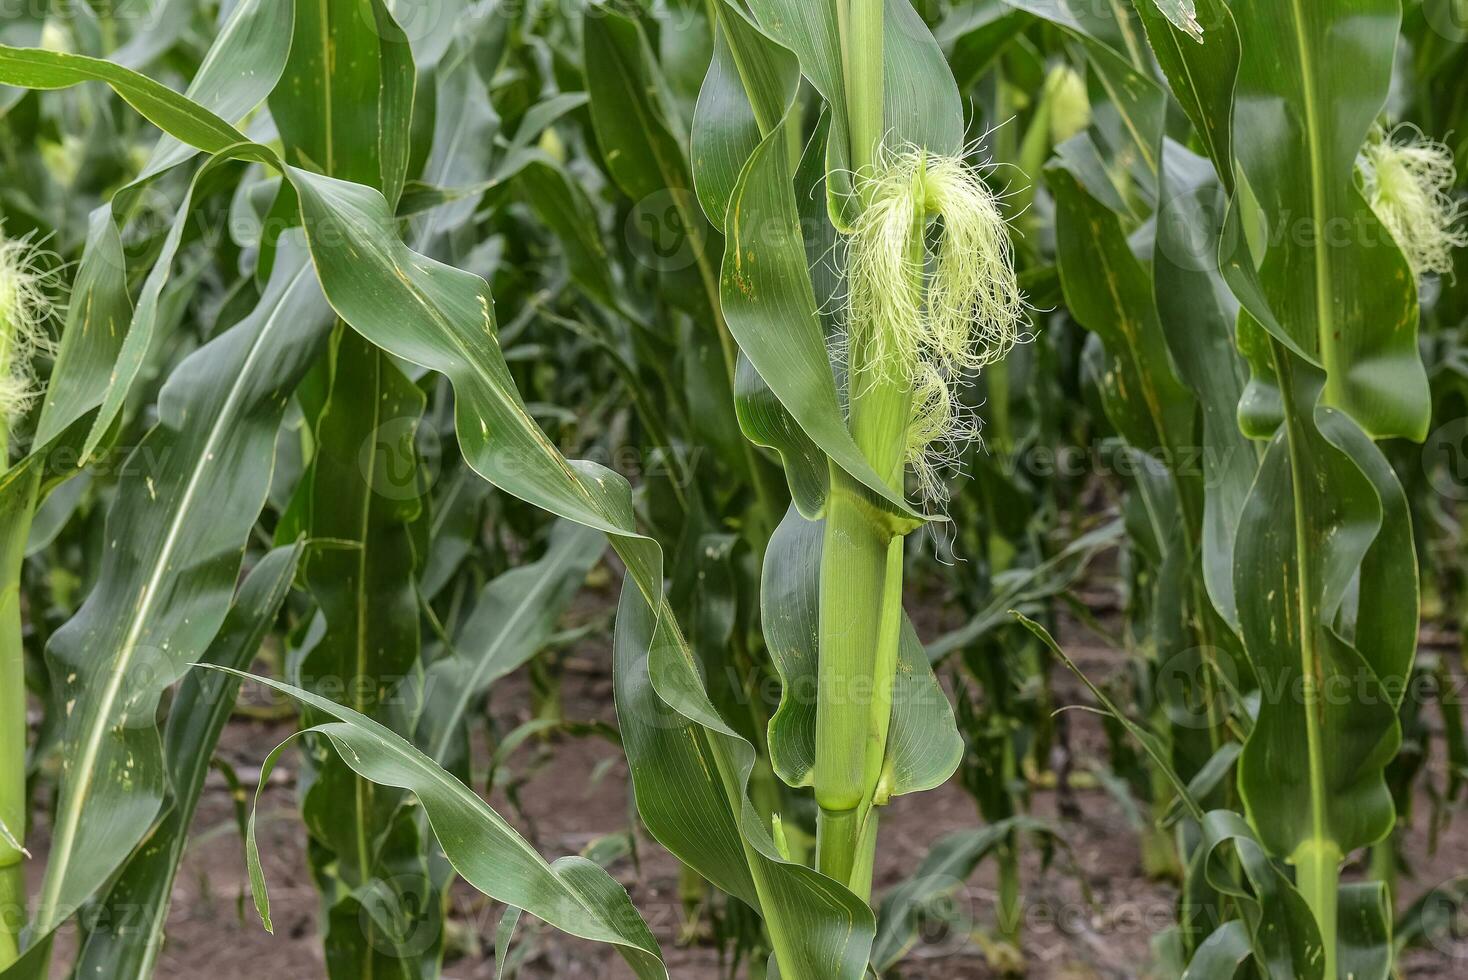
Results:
343 107
634 119
345 101
763 418
1107 290
1181 14
767 295
362 495
1365 931
1201 76
96 323
1322 781
923 744
244 63
689 772
442 318
1220 955
146 320
191 120
1197 314
631 109
572 894
1313 264
511 621
1283 937
129 932
175 538
749 87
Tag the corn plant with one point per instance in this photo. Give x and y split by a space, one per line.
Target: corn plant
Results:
1326 378
378 287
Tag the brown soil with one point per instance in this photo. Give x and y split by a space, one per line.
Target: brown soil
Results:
575 791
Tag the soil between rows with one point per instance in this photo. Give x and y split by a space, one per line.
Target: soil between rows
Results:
572 792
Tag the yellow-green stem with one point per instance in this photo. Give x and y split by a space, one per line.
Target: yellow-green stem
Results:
884 674
1318 876
853 581
861 565
838 836
15 521
1011 913
863 868
861 25
783 944
860 629
860 620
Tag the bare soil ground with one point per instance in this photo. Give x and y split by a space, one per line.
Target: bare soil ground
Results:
576 790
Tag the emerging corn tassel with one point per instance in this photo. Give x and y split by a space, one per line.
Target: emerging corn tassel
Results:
1409 182
922 315
25 306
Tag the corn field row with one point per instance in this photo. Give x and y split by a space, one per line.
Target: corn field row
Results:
823 375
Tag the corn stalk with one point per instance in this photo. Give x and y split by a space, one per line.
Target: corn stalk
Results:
1327 326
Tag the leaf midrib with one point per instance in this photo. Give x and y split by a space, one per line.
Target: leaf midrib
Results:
1309 654
66 829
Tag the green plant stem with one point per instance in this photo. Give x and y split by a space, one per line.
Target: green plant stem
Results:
838 837
1384 867
861 23
853 580
857 671
866 857
1010 911
860 626
861 563
15 522
1318 876
780 939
